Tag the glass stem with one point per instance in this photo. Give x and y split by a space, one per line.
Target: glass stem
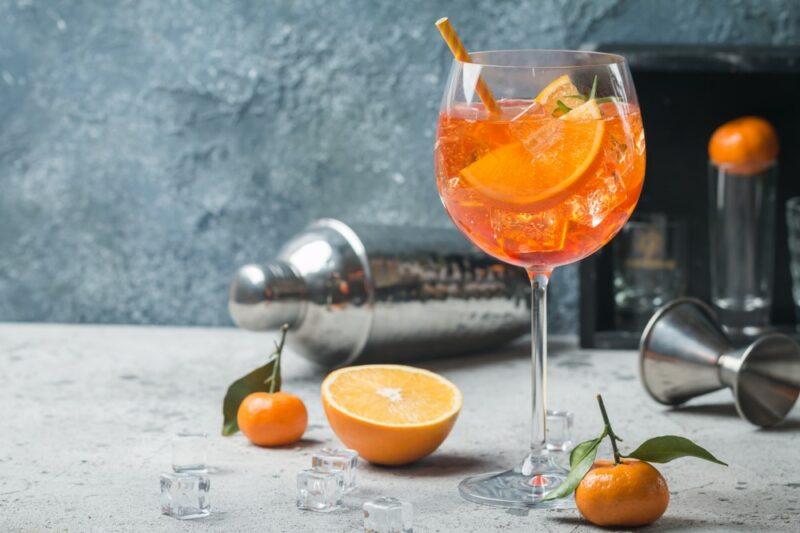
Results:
539 281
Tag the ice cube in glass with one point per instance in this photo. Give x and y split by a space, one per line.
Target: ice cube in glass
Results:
602 194
537 131
388 515
338 460
184 495
189 452
319 490
522 232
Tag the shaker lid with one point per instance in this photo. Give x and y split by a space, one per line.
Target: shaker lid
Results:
266 297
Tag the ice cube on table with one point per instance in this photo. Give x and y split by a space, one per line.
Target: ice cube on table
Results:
388 515
338 460
189 452
319 490
184 495
559 431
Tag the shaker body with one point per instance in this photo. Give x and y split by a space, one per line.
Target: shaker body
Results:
435 294
366 293
742 232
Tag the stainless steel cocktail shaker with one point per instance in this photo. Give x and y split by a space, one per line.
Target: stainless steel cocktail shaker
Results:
382 294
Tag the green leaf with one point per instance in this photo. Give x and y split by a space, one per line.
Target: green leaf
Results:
561 106
668 447
581 97
265 378
580 451
607 99
581 460
593 92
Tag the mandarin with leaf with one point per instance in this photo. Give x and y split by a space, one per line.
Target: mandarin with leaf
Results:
628 491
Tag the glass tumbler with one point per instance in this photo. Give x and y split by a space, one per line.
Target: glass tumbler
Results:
650 256
742 246
793 223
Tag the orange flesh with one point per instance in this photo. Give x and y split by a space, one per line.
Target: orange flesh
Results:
390 414
392 396
534 198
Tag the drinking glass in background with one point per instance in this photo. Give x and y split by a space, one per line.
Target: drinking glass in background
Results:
743 175
650 255
793 224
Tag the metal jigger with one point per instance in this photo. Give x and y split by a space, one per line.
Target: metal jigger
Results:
685 353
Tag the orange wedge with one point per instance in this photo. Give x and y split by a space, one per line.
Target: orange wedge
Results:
560 88
521 175
390 414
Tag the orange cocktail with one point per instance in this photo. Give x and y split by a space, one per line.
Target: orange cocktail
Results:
542 182
539 161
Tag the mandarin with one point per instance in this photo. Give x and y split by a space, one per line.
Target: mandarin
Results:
631 493
746 145
272 418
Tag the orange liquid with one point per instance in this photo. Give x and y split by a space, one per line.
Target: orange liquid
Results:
558 227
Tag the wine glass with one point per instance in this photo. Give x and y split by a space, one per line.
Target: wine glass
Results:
539 161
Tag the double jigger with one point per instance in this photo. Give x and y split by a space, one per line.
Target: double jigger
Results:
684 353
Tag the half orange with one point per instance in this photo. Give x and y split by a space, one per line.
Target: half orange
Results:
390 414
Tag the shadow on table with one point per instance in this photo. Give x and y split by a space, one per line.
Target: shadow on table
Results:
791 424
729 410
519 349
712 409
442 464
301 444
666 523
500 355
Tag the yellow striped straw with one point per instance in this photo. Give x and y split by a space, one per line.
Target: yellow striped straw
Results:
457 47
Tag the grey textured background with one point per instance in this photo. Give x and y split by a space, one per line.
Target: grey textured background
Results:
147 148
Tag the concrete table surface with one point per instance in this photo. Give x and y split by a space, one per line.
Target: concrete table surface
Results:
88 413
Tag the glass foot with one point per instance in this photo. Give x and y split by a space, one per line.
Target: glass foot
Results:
525 486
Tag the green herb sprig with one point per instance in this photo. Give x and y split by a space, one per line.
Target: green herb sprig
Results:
656 450
266 378
562 107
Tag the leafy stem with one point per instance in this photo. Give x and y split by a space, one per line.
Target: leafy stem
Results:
276 368
609 430
661 449
593 92
562 108
266 378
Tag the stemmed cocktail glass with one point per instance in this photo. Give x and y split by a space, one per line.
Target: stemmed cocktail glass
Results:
539 161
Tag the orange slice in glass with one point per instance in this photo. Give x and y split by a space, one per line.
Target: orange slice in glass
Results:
390 414
520 174
560 88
